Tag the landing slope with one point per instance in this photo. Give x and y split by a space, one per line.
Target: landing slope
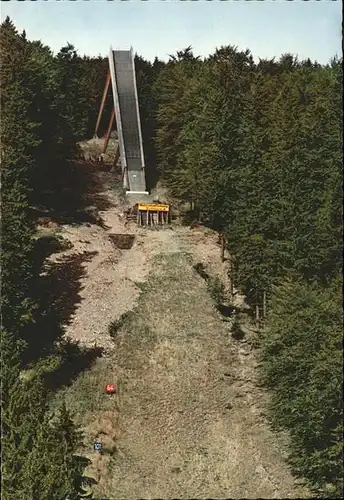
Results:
188 422
187 427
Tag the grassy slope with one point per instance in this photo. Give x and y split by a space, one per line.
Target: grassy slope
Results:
178 428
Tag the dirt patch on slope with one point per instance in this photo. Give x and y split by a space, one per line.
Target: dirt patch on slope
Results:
110 285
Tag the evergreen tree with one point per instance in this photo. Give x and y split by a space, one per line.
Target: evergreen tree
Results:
18 141
34 465
38 454
302 359
169 90
71 101
145 77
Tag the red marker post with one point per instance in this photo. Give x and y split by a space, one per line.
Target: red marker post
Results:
110 389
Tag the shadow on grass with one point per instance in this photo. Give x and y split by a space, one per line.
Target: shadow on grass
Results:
75 360
116 325
225 310
217 292
57 292
190 218
237 332
45 246
73 194
62 283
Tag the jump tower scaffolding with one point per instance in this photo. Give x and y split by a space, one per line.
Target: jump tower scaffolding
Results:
122 77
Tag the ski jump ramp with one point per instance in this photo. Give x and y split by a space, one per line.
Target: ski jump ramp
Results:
123 79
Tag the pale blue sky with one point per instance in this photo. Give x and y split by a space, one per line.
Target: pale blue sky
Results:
155 27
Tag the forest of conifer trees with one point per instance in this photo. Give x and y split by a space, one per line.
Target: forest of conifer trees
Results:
257 149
